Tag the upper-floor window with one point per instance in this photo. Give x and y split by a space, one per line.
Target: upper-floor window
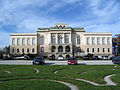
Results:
78 39
108 41
60 39
98 41
33 41
28 41
23 41
93 40
103 41
66 39
42 40
18 41
13 41
87 40
53 40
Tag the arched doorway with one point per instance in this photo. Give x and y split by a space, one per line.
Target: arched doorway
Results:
60 49
78 49
53 49
67 48
67 56
53 57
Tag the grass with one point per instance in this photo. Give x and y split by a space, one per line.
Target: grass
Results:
20 77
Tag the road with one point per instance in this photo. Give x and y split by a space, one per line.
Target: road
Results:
81 62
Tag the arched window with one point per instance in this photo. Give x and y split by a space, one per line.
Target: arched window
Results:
42 49
78 49
60 49
53 49
67 49
67 56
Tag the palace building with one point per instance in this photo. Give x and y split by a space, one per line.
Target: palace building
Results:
61 40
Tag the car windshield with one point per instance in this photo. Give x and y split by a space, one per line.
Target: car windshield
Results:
72 58
38 58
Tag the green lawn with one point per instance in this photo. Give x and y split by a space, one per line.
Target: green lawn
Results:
25 78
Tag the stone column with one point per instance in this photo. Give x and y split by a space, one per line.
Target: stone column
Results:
63 41
56 38
50 38
70 38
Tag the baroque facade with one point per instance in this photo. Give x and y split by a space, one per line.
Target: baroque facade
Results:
61 40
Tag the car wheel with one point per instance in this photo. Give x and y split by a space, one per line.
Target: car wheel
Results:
33 63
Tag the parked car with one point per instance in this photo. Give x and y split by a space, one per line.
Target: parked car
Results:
104 57
60 58
116 60
51 58
95 58
86 58
38 60
72 60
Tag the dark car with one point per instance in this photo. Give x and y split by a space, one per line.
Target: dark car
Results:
38 60
86 58
116 60
95 58
72 60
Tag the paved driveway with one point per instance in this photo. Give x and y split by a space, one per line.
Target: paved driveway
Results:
81 62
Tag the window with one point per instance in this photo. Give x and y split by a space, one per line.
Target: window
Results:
13 50
93 41
103 49
42 49
78 49
18 41
42 40
33 41
28 41
98 41
60 49
108 49
23 41
93 50
28 50
88 40
53 40
103 41
17 50
78 39
33 50
60 39
66 39
13 41
108 41
23 50
98 50
87 49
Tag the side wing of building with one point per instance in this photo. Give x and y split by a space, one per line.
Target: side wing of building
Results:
23 43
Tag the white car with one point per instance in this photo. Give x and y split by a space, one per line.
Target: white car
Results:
60 58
